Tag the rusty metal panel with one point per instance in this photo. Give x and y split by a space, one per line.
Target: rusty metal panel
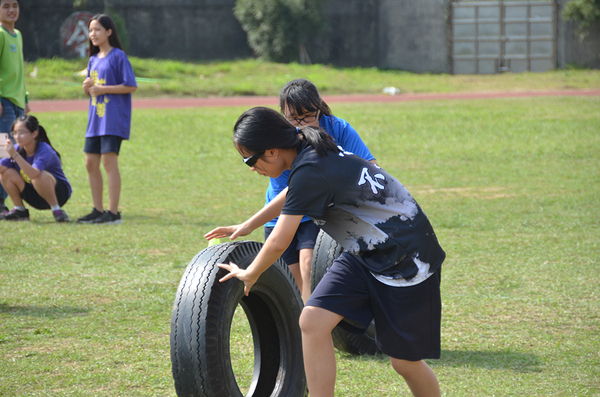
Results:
502 36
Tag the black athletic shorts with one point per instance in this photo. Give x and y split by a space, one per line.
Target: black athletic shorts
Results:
31 196
103 144
407 319
305 237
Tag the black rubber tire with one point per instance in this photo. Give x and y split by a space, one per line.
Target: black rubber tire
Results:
326 251
201 322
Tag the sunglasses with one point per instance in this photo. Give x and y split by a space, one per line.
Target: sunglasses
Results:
250 161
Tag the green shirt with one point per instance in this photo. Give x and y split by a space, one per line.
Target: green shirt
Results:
12 81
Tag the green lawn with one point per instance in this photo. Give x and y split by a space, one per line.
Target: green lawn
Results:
57 79
511 186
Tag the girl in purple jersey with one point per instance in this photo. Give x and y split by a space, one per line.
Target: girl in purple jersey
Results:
109 84
389 271
33 173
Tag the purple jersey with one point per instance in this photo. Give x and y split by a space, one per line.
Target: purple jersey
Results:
44 159
110 114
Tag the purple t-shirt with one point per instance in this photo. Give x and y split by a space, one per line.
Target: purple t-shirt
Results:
44 159
110 114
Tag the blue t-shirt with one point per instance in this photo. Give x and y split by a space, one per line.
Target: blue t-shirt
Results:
343 134
44 159
368 212
110 114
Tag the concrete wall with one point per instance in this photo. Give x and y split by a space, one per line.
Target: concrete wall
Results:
399 34
40 24
177 29
350 37
413 35
200 29
396 34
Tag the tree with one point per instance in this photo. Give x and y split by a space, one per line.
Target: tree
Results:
278 30
585 12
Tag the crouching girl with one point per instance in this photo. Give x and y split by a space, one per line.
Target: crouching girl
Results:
33 173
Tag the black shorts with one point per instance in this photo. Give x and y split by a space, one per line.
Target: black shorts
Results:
305 237
31 196
103 144
407 319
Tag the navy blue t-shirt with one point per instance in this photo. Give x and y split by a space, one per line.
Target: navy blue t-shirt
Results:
367 211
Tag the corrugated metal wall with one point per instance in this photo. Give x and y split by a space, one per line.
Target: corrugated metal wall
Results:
493 37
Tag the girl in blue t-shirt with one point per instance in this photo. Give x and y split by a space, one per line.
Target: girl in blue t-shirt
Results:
390 269
33 173
301 104
109 84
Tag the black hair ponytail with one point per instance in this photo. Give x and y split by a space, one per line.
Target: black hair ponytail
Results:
262 128
319 140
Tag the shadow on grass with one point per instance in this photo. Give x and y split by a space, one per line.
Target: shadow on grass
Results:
43 311
506 360
518 362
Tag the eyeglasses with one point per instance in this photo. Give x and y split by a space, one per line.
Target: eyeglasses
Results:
15 133
304 120
250 161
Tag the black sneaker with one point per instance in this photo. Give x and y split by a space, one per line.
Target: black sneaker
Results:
3 209
61 216
89 218
108 218
16 215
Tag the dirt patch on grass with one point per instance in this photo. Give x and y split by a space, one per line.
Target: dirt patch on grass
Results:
483 193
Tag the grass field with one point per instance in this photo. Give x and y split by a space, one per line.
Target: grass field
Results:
57 79
511 186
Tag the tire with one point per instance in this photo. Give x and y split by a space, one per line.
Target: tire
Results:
326 251
201 324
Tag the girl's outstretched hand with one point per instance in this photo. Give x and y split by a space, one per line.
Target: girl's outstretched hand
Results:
241 274
232 232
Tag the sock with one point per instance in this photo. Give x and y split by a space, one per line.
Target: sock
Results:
55 207
20 208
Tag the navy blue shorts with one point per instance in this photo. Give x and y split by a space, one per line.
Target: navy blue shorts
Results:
10 113
407 319
103 144
31 196
305 237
